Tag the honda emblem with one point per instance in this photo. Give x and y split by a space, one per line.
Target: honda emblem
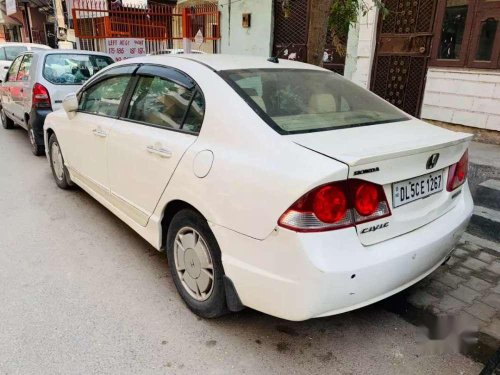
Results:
432 161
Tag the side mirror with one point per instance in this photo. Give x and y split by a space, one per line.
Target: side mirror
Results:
70 105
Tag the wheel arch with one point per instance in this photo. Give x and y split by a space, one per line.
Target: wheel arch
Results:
47 134
169 211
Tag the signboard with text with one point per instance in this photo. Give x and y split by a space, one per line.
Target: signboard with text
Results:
125 48
10 7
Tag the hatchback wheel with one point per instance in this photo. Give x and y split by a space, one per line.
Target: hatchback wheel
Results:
195 264
59 171
36 149
7 123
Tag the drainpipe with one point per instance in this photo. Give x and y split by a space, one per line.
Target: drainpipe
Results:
27 19
186 30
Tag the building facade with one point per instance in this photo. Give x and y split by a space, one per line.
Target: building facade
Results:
436 59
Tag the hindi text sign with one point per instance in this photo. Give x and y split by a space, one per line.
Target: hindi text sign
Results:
125 48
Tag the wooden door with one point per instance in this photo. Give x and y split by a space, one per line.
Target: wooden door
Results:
402 53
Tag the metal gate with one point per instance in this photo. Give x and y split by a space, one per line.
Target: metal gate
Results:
162 26
291 28
402 53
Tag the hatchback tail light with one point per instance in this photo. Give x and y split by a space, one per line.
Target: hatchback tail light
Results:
41 98
336 205
457 173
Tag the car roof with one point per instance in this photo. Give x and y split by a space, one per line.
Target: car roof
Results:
3 44
67 52
220 62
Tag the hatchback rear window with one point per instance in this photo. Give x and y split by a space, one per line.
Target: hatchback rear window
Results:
73 69
302 101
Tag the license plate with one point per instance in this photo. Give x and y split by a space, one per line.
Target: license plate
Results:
410 190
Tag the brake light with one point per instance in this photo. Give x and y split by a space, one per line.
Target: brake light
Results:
330 204
40 98
336 205
457 173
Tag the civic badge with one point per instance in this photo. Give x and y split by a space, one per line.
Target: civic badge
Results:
432 161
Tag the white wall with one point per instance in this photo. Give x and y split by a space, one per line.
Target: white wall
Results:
255 40
463 96
361 47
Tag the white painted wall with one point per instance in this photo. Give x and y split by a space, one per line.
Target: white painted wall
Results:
463 96
361 47
255 40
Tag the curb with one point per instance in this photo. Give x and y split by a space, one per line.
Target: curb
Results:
465 289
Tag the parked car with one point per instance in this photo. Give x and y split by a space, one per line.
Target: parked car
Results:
36 84
9 51
176 51
279 186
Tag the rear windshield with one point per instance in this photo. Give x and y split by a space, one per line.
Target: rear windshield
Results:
302 101
73 69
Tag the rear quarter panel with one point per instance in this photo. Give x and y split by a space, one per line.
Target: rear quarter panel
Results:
256 173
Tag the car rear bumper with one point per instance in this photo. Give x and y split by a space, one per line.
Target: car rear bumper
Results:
297 276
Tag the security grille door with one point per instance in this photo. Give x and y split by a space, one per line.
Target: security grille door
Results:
290 30
402 52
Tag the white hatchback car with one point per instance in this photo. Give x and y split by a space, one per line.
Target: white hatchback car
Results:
279 186
10 50
36 84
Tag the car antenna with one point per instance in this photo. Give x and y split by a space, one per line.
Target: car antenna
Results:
273 59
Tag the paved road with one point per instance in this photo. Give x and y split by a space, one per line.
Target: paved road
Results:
82 293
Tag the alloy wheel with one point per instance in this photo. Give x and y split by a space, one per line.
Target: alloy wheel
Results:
194 264
57 161
32 137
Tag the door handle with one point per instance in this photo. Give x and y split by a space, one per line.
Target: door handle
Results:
99 133
158 150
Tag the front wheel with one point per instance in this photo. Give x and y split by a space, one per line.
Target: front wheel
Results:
59 171
195 263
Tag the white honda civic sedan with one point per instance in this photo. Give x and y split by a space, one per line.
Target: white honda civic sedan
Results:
278 186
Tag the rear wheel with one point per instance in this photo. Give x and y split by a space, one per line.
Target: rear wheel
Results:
195 264
59 171
7 123
36 149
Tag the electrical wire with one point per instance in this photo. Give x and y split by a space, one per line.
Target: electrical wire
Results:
230 3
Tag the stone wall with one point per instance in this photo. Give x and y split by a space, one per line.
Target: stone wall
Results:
468 97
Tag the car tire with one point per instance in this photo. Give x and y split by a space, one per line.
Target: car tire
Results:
36 149
7 123
194 259
59 170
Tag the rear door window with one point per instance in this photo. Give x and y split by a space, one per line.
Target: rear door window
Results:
14 68
159 101
11 52
73 69
194 118
24 69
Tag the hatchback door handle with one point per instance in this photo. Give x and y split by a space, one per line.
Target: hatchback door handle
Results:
158 150
99 133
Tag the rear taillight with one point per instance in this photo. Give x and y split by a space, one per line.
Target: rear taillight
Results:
40 98
457 173
336 205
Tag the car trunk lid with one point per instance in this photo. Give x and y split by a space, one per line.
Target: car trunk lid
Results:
390 154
